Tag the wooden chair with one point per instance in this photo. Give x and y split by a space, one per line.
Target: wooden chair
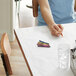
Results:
6 51
35 8
75 5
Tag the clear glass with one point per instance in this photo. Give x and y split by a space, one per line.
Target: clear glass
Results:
64 56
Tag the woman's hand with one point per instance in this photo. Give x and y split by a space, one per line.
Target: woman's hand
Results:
56 29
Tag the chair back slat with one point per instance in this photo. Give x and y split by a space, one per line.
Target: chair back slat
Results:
6 50
35 8
75 5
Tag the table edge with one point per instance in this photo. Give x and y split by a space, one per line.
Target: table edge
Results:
23 53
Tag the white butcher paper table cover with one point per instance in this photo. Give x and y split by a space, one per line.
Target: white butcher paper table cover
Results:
44 61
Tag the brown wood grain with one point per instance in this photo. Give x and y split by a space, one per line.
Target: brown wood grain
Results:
35 8
75 5
6 50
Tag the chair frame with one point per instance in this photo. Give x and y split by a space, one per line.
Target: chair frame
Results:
35 7
5 55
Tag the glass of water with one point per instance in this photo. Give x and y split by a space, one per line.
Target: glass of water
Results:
64 56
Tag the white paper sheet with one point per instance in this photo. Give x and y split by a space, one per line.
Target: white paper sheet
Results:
44 61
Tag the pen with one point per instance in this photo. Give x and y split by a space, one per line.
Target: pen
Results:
43 42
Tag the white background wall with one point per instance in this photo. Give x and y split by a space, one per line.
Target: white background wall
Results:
7 18
4 16
26 14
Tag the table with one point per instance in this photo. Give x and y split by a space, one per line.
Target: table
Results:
44 61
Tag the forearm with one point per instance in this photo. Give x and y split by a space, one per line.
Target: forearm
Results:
56 29
46 12
47 16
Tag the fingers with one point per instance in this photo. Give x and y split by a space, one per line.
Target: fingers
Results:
59 25
55 34
57 30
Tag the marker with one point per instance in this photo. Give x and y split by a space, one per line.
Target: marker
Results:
43 46
43 42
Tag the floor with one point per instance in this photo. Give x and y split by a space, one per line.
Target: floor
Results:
18 65
26 14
